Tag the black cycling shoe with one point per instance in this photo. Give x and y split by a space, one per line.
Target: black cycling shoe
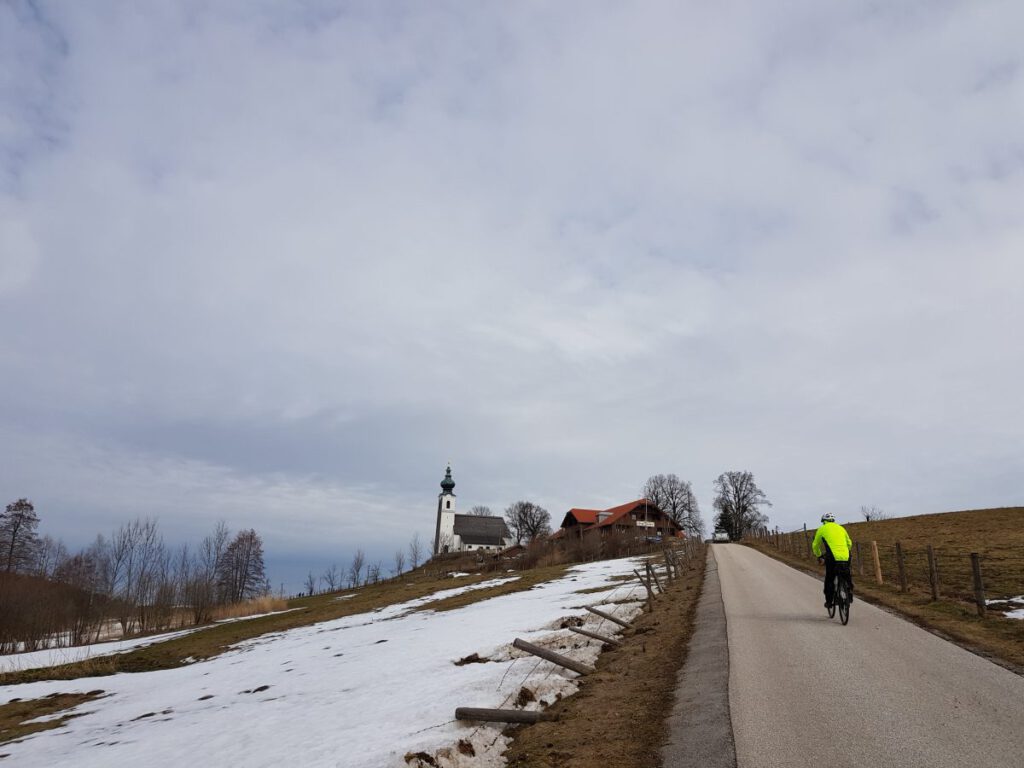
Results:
828 605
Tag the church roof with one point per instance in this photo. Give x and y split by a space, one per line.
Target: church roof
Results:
475 529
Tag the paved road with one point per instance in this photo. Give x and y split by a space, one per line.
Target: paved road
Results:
807 691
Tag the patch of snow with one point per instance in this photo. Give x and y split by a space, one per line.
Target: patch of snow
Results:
360 691
1011 612
346 597
457 574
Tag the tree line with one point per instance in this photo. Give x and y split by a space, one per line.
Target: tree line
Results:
127 583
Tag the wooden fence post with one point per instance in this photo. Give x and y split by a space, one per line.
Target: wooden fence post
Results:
807 541
595 635
979 586
668 566
933 573
609 617
901 567
554 658
652 576
502 715
650 592
878 564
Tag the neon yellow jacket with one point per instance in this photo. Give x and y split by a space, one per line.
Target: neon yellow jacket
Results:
837 539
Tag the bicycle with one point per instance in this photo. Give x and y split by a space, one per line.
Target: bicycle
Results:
842 595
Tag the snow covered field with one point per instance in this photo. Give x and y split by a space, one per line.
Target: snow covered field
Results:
360 691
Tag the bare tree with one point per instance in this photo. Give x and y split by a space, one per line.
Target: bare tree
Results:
18 539
310 584
201 588
81 572
738 501
49 555
415 551
130 559
676 499
373 572
481 511
355 570
874 513
332 577
527 521
399 563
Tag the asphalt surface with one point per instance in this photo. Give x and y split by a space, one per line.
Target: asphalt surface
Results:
700 730
806 691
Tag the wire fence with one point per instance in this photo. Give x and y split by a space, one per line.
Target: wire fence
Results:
991 575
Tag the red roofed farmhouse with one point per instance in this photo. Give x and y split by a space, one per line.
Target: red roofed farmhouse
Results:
641 518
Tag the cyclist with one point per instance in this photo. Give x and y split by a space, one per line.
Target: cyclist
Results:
832 543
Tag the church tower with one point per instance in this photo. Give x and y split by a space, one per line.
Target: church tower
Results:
444 534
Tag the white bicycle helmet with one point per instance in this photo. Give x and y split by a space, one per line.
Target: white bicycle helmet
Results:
828 517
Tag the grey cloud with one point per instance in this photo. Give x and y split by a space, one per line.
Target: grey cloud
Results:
290 261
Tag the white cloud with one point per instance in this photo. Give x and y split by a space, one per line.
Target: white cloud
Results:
564 246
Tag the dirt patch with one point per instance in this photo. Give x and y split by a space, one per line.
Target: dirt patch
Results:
16 714
618 715
473 658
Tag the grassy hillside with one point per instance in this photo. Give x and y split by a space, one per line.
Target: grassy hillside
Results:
997 535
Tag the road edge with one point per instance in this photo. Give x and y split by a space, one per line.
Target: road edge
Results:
700 725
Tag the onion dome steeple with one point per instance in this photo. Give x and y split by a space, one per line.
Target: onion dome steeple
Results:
448 485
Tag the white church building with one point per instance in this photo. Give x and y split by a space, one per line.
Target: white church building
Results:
466 533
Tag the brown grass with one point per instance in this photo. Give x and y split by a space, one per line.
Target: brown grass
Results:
266 604
524 580
14 715
996 534
617 718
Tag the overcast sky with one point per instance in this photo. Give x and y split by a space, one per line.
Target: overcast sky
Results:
278 262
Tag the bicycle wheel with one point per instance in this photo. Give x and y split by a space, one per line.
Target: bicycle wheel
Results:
843 599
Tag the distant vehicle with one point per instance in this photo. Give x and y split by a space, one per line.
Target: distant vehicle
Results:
720 536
